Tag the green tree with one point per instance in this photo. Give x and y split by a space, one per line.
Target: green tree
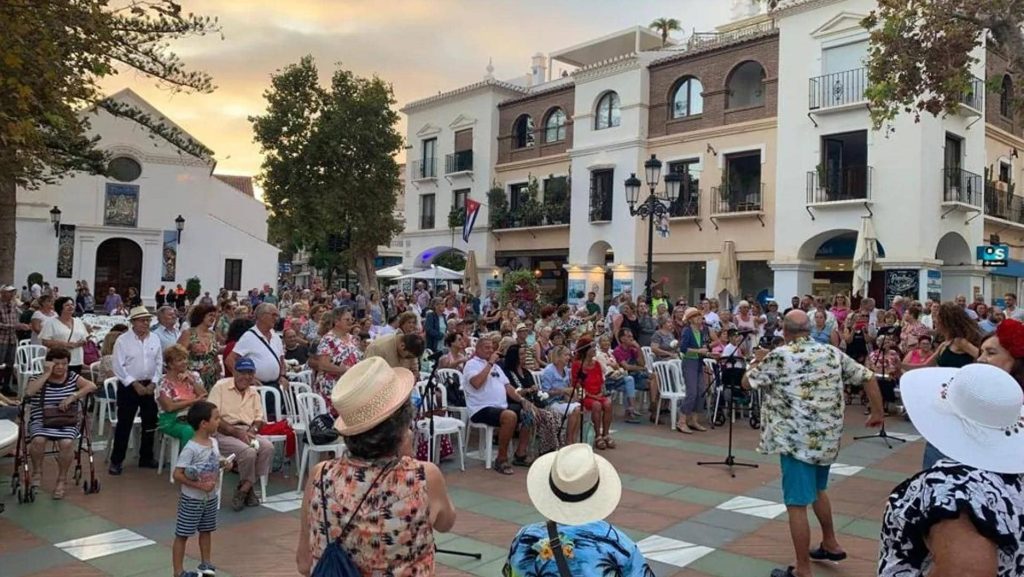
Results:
329 170
497 207
53 55
665 26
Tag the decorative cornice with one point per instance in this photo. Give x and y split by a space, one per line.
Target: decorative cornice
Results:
607 67
462 121
716 132
704 49
540 92
182 159
788 7
431 100
998 134
560 158
428 130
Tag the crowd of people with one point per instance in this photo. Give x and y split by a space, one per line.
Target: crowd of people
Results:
532 373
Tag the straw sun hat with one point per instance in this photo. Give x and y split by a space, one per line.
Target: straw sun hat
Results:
573 486
368 393
973 415
139 313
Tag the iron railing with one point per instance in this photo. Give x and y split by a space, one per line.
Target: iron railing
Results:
688 204
837 89
426 168
959 185
600 205
706 39
973 97
1003 204
848 183
727 199
458 162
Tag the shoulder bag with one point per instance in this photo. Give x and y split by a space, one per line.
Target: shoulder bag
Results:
57 418
336 561
555 543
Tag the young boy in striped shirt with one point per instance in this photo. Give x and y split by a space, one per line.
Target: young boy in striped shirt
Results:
197 472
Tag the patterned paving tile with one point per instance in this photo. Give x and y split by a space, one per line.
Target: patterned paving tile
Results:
753 507
103 544
284 502
845 470
672 551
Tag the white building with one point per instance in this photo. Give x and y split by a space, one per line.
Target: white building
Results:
919 184
121 231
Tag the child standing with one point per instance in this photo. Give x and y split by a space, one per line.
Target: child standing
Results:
197 472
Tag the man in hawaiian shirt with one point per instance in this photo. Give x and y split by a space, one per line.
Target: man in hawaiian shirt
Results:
802 420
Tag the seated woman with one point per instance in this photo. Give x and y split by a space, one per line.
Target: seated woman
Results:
885 363
556 382
575 490
919 355
58 390
391 503
179 389
617 377
588 374
544 423
456 356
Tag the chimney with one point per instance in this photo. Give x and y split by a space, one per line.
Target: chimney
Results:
538 69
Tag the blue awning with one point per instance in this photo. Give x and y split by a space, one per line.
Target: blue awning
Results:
1014 268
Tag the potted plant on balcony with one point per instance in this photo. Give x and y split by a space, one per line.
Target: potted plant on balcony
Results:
822 180
556 201
531 212
724 200
497 207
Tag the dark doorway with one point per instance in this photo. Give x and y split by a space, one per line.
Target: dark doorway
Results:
844 166
118 264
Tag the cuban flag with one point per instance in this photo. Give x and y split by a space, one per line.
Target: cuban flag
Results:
472 209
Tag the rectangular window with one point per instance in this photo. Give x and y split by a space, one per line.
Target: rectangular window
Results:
843 170
601 184
1004 172
556 199
689 189
427 211
845 57
428 159
459 198
233 274
741 186
464 140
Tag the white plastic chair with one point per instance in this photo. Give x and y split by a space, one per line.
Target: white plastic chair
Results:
110 387
292 412
305 376
670 387
24 343
443 426
29 363
272 397
310 405
461 412
174 445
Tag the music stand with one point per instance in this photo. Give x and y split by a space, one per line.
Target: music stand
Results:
730 460
881 434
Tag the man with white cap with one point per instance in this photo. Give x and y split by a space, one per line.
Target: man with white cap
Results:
964 516
575 490
138 365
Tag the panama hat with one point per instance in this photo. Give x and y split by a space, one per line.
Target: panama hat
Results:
573 486
690 313
368 393
139 313
973 415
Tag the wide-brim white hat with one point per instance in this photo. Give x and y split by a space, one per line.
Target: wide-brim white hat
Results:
573 486
368 393
139 313
973 415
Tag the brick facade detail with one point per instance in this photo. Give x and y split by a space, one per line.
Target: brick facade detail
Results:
712 69
538 107
996 66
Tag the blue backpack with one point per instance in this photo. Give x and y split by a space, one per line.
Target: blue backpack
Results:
336 561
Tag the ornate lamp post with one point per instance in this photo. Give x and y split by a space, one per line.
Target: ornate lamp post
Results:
55 220
179 224
653 207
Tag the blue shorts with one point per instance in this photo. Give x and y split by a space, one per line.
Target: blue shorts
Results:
196 515
801 482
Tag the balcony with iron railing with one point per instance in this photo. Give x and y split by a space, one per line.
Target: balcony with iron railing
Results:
973 97
737 199
600 206
686 206
1002 203
456 162
851 183
837 89
423 169
960 186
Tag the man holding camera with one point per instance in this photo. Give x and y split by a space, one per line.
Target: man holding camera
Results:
803 408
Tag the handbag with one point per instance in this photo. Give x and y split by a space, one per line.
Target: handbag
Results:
556 547
336 561
57 418
90 352
322 431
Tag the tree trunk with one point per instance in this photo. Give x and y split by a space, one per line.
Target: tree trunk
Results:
365 271
8 229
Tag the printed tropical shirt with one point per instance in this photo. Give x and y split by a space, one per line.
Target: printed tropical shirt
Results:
592 550
802 403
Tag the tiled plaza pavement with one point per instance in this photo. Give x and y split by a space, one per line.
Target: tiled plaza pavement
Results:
690 521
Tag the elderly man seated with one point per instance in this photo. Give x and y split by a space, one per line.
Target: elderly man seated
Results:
491 400
241 418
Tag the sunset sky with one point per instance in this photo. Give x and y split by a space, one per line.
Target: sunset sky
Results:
420 46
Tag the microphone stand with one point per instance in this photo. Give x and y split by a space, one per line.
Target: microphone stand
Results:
730 460
565 413
881 434
430 390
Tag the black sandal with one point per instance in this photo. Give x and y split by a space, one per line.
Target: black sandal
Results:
822 554
787 572
521 461
503 468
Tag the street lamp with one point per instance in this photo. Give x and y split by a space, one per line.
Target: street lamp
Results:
653 207
179 224
55 219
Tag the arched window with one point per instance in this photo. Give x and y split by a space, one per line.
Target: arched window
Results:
746 85
1006 97
687 99
554 126
124 168
608 113
522 132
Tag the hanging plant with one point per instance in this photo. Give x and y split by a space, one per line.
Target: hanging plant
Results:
520 287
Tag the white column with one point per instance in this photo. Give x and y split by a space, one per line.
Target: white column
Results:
792 278
583 279
965 280
152 249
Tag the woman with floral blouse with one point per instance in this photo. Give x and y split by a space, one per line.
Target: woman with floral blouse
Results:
337 352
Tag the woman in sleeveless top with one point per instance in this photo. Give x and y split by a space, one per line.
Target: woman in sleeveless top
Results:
57 387
201 343
391 503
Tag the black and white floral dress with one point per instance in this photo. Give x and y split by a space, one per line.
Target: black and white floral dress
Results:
994 503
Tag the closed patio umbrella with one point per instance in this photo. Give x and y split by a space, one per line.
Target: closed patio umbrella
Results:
864 256
472 279
728 275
